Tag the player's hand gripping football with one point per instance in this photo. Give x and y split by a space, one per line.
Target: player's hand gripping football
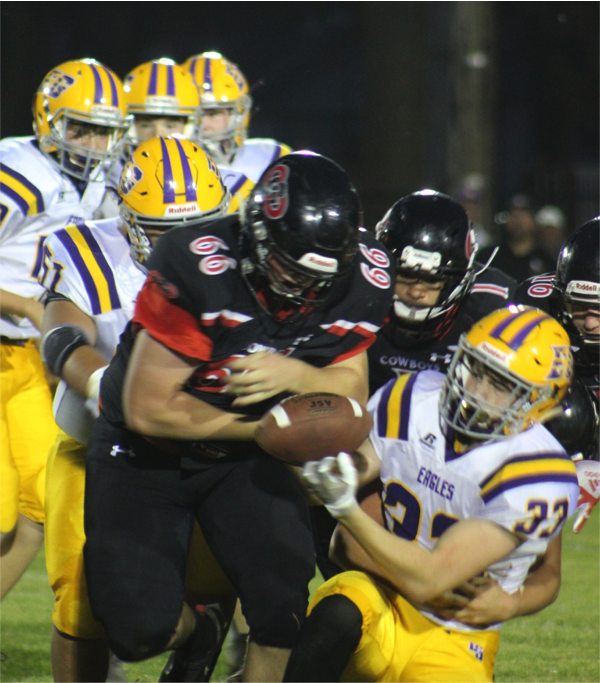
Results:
334 480
262 375
588 474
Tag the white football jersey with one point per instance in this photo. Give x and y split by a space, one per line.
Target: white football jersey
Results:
36 199
90 264
255 155
526 484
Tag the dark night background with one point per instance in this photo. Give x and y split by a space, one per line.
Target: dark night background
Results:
381 87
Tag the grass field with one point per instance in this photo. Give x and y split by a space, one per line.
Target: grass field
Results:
562 643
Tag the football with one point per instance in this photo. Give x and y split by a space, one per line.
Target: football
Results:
311 426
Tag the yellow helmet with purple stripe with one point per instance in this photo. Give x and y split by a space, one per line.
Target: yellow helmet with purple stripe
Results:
81 95
162 88
165 183
521 351
221 86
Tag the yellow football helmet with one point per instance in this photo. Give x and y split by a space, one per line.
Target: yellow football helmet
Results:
165 183
222 86
162 88
523 355
80 99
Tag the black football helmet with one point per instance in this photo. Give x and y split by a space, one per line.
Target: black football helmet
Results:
299 231
431 238
577 281
576 427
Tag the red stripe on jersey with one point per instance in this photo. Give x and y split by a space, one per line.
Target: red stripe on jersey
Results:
359 348
169 324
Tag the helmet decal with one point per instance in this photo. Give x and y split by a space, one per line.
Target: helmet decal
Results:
130 177
562 363
276 199
56 83
232 70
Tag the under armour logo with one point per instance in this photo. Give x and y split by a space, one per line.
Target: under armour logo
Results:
117 450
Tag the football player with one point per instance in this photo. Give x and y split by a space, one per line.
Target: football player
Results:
440 292
225 103
467 461
572 295
93 272
46 181
283 299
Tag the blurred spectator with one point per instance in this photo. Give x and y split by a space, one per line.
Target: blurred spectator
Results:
519 253
470 196
551 229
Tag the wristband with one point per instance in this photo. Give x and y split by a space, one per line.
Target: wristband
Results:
92 388
59 343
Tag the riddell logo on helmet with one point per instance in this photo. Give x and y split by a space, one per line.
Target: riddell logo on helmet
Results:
494 353
182 209
104 111
583 286
318 262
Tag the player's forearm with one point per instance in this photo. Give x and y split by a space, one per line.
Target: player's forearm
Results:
542 585
406 565
80 366
463 551
185 417
22 307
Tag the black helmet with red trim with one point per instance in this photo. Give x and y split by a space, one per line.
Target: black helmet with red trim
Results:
431 239
577 281
300 230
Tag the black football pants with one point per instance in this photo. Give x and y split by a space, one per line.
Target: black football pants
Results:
140 506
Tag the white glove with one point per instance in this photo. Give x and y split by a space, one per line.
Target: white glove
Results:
334 481
588 474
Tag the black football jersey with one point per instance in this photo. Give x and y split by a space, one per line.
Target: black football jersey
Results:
196 302
392 354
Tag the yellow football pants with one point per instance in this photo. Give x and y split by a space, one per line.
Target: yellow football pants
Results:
399 644
27 431
65 538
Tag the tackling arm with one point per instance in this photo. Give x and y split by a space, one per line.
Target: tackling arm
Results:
155 405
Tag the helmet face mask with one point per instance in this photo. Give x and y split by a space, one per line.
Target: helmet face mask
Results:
433 242
168 182
80 100
509 372
300 232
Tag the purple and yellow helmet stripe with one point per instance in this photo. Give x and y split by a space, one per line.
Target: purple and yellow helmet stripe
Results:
99 90
520 334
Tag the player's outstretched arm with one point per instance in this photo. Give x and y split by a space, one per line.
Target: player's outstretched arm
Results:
81 364
22 307
263 375
155 405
